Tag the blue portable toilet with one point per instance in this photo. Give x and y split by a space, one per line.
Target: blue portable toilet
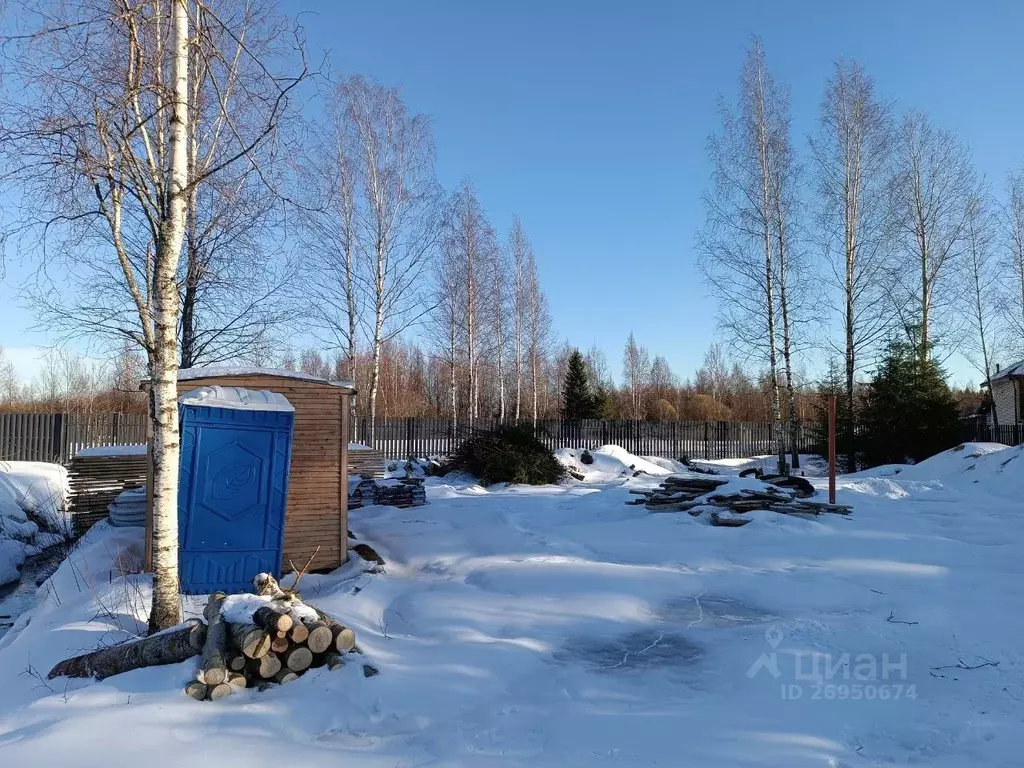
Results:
233 481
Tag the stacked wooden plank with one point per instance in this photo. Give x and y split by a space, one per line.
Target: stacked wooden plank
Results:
96 479
407 492
364 461
698 495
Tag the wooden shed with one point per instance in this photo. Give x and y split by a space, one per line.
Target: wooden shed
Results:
316 513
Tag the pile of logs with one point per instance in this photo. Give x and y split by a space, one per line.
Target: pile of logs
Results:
699 495
248 641
277 639
407 492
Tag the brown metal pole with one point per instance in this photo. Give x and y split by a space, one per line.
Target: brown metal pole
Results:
832 449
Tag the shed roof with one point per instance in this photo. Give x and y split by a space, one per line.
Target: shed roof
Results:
242 371
1015 371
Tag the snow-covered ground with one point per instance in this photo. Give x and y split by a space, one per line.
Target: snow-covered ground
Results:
558 626
33 498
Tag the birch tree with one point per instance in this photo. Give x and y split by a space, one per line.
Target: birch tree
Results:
98 146
636 371
1012 263
538 331
471 243
498 311
981 298
932 190
852 154
737 245
520 257
330 227
399 215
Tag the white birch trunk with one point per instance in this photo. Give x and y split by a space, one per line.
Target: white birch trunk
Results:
166 610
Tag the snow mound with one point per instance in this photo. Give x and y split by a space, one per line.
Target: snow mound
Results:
610 462
33 497
998 467
238 609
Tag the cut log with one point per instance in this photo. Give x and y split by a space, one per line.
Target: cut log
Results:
251 640
266 585
280 644
213 606
196 690
343 639
728 522
320 637
285 676
333 661
172 646
220 691
297 658
236 663
265 667
214 664
237 680
299 632
271 619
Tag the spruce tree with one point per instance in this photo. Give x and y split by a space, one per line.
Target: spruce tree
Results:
910 413
577 400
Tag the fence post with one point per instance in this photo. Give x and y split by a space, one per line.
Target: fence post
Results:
57 439
410 451
707 442
115 428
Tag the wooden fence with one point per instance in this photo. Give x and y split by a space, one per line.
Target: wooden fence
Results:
401 438
57 437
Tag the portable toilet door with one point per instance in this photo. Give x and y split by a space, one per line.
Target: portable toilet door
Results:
233 483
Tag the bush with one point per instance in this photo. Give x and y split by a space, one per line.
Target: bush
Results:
507 454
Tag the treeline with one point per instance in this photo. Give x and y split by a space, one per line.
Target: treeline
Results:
878 226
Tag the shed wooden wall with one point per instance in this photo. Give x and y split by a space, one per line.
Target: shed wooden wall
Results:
316 514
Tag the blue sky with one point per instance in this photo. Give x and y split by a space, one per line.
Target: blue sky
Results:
589 120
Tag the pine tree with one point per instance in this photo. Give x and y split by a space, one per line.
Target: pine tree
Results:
577 400
910 413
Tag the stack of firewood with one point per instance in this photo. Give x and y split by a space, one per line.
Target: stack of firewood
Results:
247 641
699 495
257 641
407 492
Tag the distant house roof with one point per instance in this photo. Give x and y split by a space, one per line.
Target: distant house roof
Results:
1015 371
242 371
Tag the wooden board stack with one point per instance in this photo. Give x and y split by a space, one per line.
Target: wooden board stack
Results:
96 481
695 495
407 492
363 461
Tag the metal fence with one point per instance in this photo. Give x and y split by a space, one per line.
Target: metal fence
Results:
402 438
982 432
57 437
